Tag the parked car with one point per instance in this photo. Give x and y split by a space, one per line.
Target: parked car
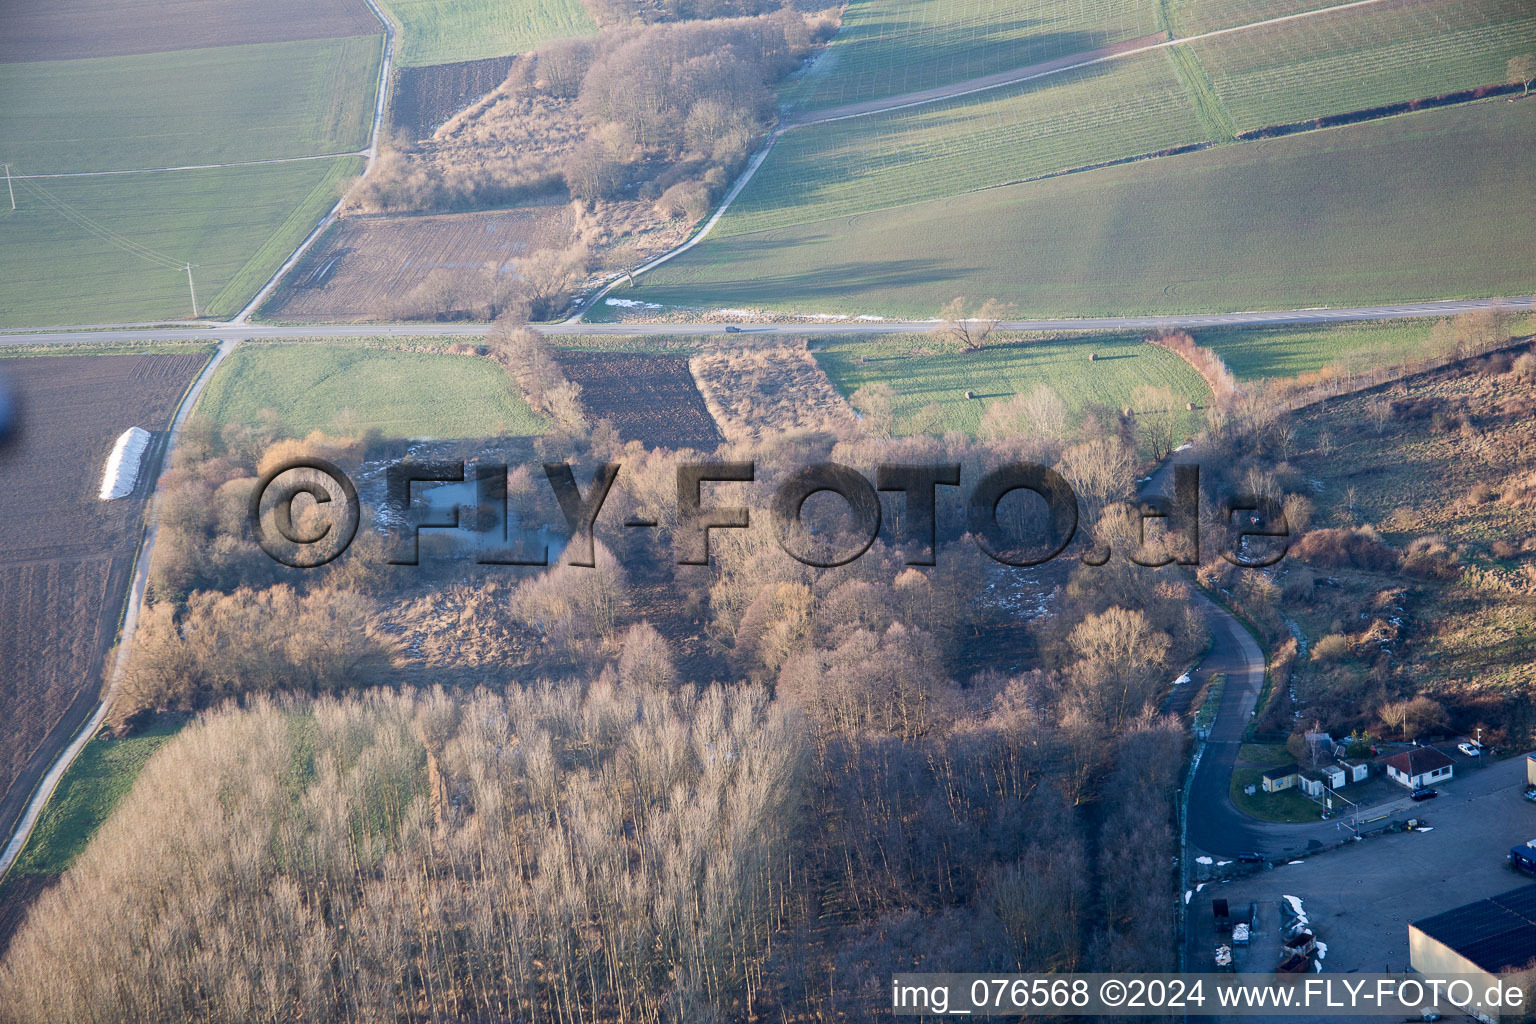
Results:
732 329
1469 749
1250 858
1425 794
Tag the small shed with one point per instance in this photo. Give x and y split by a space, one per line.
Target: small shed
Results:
1530 769
1312 782
1355 771
1276 779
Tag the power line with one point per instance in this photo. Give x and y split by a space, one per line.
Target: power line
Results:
73 215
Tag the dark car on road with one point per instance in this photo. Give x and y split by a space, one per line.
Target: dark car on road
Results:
1425 794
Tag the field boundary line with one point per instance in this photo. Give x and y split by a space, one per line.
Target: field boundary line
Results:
128 625
1004 78
370 154
191 167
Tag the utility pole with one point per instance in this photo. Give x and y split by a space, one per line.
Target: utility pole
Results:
193 289
9 187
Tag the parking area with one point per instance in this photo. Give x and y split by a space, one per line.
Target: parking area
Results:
1361 898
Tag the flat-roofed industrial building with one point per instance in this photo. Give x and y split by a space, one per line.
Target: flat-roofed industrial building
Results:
1487 938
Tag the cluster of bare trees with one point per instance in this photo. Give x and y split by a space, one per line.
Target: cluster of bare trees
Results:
662 112
569 853
529 360
642 841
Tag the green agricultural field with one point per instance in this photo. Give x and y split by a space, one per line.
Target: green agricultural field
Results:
65 253
923 372
89 790
438 32
1192 17
887 47
1405 216
1256 353
230 103
1365 57
402 394
1000 136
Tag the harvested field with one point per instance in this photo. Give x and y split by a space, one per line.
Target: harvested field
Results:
754 393
648 398
71 29
426 97
65 557
365 266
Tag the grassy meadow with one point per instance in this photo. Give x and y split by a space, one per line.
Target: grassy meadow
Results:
923 372
993 138
887 47
223 104
1406 216
434 32
65 252
1277 352
101 776
403 394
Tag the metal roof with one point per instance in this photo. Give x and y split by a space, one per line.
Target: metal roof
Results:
1496 933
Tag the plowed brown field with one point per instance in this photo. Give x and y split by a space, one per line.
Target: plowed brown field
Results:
648 398
66 557
426 97
364 266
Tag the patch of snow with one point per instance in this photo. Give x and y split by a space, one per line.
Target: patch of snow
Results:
1180 682
1322 951
866 316
1187 894
1203 860
827 316
736 312
1222 863
1295 862
1202 885
122 469
631 304
1186 446
1424 828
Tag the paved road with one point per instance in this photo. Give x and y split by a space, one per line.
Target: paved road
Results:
1214 825
222 331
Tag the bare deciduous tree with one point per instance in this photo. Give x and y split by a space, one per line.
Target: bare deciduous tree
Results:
970 331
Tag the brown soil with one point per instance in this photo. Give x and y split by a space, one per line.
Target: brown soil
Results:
72 29
364 266
65 556
648 398
426 97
